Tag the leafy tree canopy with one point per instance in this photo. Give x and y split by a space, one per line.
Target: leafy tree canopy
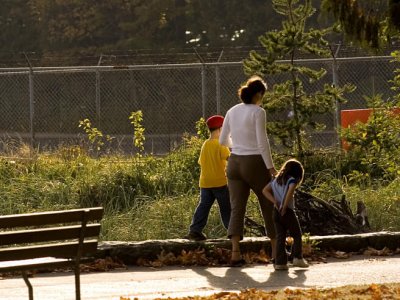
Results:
370 22
70 27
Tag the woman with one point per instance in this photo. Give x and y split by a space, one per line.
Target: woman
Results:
250 165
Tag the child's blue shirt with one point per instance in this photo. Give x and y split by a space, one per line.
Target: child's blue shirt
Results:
280 191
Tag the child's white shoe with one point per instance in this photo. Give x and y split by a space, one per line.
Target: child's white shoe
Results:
300 262
281 267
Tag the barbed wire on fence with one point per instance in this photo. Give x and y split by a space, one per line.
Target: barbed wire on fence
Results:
116 57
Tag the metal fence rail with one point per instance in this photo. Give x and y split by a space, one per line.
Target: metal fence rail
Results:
43 106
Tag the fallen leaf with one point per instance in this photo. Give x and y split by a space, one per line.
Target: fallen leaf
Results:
374 252
340 254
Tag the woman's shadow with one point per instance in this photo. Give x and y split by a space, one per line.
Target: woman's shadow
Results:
239 279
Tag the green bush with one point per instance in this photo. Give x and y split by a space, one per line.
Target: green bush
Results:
375 144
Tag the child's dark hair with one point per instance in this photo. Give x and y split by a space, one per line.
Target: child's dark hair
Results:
291 168
213 129
254 85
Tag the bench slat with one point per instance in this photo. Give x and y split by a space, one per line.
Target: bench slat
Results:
37 264
53 217
66 250
18 265
47 234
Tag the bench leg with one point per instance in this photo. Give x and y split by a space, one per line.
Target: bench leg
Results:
77 283
29 285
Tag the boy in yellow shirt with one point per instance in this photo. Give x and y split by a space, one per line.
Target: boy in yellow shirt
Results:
213 182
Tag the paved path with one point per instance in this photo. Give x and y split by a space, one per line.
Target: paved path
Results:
150 283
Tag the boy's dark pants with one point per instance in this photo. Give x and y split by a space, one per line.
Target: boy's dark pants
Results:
207 198
284 223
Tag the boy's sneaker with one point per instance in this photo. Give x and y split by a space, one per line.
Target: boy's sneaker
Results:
300 262
196 236
281 267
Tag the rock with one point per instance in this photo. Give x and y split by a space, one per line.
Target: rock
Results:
130 252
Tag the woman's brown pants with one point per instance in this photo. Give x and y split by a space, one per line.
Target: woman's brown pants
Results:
245 173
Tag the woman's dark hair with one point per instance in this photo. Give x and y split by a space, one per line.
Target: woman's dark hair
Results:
254 85
291 168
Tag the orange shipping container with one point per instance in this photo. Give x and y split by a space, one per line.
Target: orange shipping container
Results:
350 117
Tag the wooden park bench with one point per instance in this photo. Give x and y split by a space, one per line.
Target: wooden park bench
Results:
48 241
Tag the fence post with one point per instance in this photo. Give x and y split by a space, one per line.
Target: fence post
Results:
372 72
335 83
31 108
31 103
98 102
218 89
218 85
203 83
98 96
203 90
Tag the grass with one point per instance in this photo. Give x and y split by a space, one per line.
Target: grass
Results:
382 202
381 198
152 197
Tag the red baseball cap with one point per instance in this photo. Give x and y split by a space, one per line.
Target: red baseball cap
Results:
215 121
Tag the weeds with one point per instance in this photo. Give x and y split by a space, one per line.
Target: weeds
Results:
136 119
97 139
148 197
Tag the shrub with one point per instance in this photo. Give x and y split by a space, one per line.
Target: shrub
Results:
375 144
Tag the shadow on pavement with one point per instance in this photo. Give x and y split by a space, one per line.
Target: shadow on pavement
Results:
238 278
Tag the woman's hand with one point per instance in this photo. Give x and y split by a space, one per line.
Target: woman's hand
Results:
272 171
283 210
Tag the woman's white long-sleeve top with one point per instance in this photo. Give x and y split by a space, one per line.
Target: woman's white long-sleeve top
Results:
244 131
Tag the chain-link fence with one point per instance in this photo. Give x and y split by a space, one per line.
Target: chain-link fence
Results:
43 106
